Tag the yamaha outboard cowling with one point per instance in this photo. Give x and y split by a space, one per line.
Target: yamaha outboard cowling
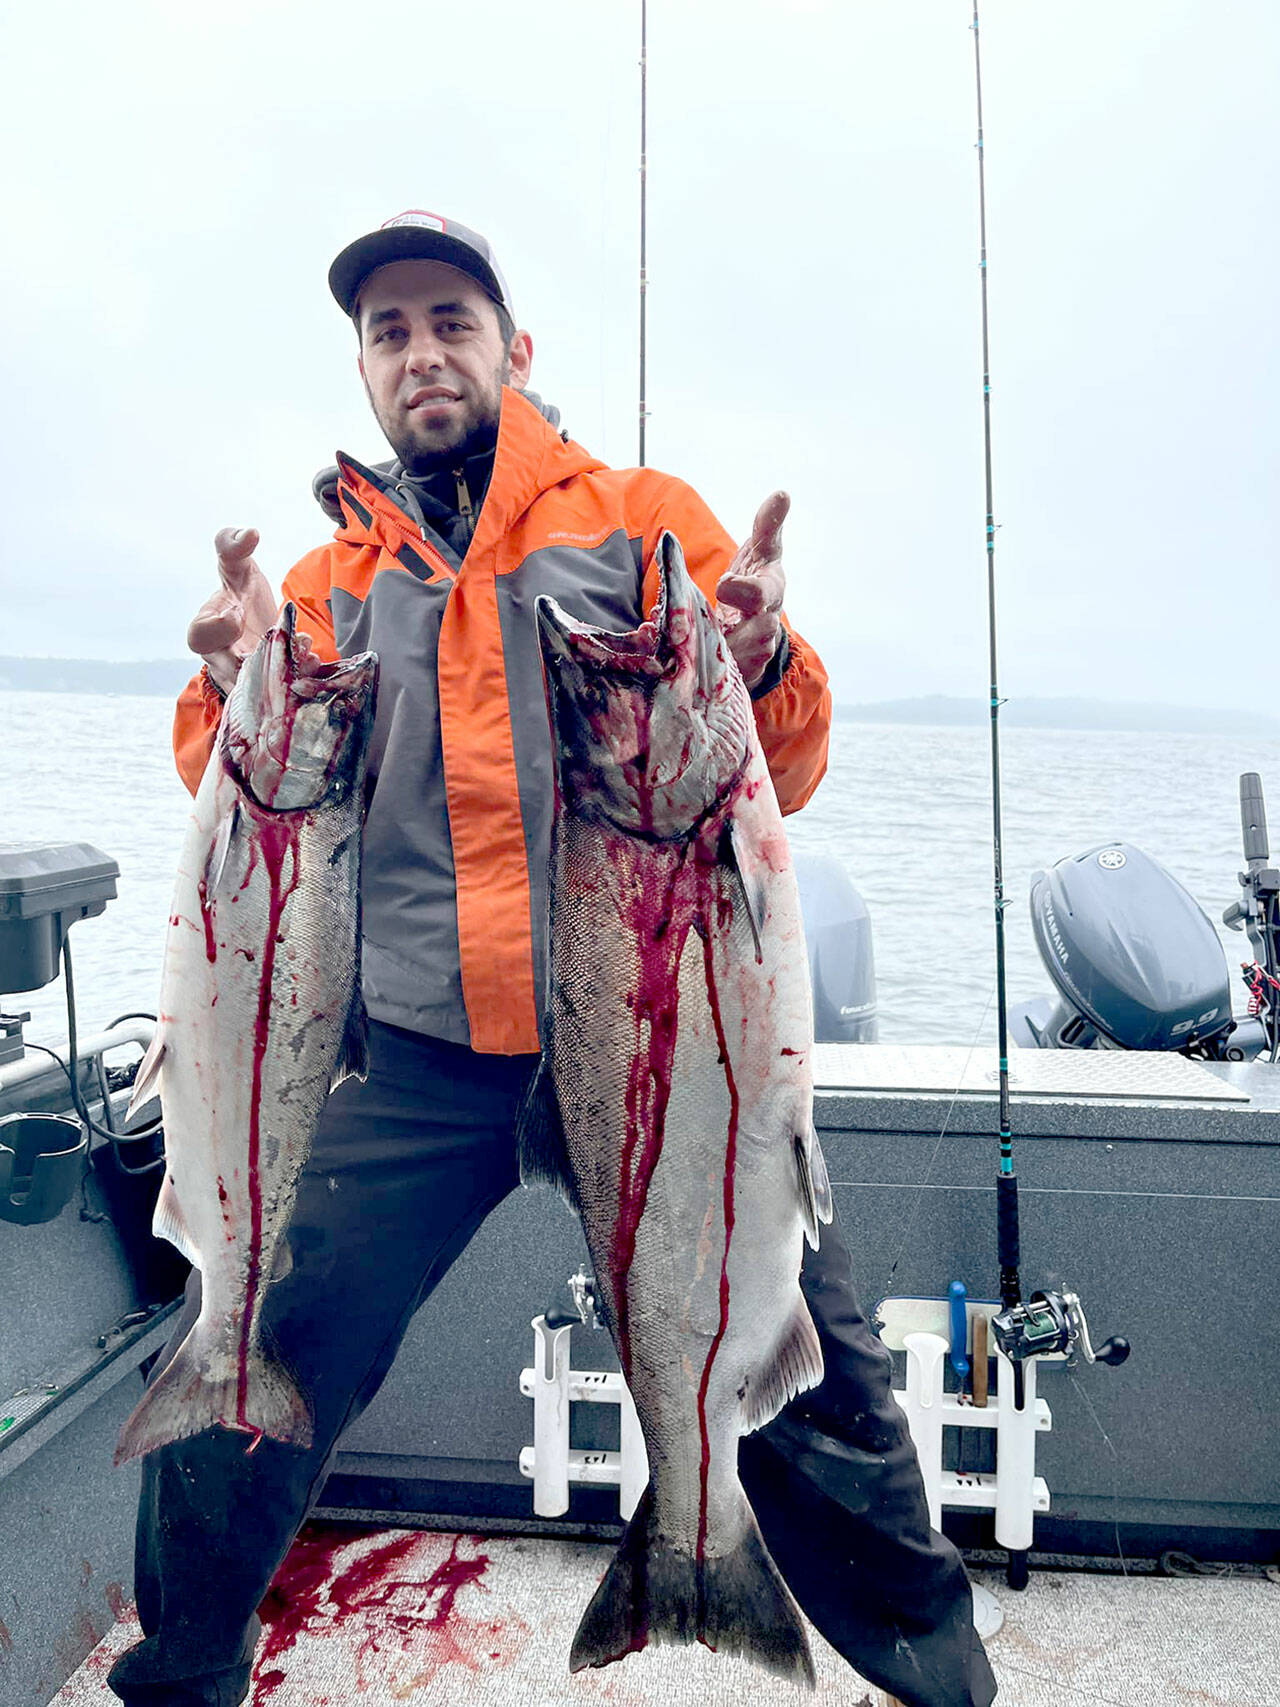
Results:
1136 961
842 966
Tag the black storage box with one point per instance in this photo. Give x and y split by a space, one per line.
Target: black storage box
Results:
44 889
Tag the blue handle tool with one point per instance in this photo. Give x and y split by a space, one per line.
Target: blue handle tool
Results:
959 1330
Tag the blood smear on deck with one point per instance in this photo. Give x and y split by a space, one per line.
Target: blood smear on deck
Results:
394 1604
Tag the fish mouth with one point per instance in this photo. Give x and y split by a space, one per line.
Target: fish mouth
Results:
296 726
647 652
289 656
647 724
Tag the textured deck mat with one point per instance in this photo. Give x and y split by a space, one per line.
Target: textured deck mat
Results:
377 1618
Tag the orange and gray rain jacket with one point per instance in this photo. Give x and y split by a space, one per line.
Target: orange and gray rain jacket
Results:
457 837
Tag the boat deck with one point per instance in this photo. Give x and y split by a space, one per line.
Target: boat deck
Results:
381 1616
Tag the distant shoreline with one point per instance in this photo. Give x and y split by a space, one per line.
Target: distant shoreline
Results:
943 711
168 676
165 676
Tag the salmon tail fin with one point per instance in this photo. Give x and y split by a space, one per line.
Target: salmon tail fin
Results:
185 1399
796 1365
654 1592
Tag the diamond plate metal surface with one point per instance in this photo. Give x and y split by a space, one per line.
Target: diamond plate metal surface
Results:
1079 1074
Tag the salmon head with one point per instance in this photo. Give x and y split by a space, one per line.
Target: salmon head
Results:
650 728
295 729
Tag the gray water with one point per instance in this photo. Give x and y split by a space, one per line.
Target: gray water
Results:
905 809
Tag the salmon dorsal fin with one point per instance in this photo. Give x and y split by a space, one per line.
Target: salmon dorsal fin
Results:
540 1140
815 1184
353 1051
751 893
795 1366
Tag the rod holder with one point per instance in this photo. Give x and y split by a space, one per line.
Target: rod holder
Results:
552 1463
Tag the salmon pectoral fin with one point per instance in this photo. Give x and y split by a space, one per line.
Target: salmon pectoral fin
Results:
754 900
654 1592
353 1051
540 1140
186 1398
220 848
816 1203
795 1366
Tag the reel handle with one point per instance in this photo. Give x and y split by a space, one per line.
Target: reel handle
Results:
1113 1351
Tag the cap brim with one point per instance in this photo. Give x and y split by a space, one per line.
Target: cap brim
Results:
406 243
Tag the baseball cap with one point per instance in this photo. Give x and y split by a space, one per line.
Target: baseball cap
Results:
417 236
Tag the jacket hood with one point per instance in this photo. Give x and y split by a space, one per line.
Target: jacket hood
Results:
384 475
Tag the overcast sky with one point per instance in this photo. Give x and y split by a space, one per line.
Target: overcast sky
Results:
177 180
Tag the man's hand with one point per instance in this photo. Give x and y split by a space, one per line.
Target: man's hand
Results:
227 627
749 593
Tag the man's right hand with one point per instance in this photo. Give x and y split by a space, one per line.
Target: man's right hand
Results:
228 626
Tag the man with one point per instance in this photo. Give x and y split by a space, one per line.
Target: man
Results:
435 565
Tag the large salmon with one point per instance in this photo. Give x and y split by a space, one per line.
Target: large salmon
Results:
674 1104
260 1012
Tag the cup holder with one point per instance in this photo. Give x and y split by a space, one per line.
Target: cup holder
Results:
41 1160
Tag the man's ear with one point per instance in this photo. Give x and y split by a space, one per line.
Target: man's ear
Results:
520 353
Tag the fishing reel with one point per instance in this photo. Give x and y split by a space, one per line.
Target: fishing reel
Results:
1050 1324
586 1308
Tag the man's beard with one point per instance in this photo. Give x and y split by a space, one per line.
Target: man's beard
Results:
477 436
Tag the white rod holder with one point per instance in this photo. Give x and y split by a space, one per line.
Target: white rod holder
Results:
925 1353
1013 1492
551 1462
1015 1455
551 1418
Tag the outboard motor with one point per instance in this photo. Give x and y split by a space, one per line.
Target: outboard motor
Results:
1136 962
842 967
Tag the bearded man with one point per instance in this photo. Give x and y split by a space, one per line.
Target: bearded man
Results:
436 563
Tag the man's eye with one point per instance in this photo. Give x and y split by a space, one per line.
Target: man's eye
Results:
389 332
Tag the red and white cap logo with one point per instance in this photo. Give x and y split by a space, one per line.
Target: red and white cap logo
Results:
415 216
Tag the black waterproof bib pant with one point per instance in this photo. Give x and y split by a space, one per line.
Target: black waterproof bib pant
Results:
405 1168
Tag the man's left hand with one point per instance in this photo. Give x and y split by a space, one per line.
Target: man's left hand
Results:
749 593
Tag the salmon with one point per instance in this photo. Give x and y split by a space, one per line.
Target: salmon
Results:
673 1104
260 1014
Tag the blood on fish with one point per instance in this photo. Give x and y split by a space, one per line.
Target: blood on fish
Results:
207 909
730 1169
277 837
654 1010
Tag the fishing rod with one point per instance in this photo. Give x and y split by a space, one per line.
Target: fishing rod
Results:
1050 1321
1007 1182
644 180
